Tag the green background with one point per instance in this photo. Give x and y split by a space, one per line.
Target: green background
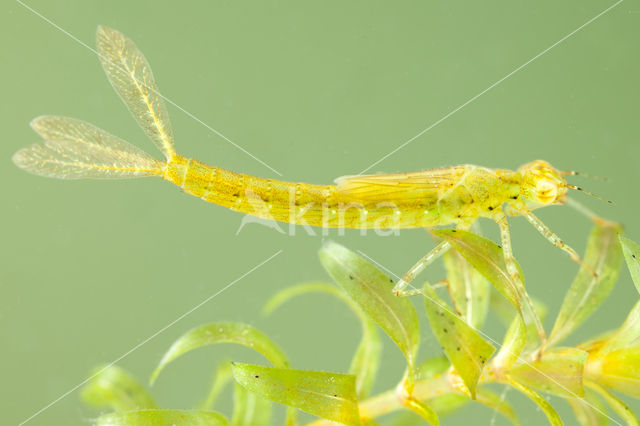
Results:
90 269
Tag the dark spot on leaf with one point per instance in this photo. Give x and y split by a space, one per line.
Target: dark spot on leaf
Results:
490 208
390 280
257 377
237 194
515 197
633 255
458 349
453 230
445 330
335 396
350 277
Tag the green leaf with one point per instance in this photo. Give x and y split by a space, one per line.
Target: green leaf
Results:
442 405
328 395
448 403
113 387
162 418
469 290
501 307
559 372
223 332
594 345
366 361
487 258
371 290
465 348
631 252
423 410
512 346
432 367
506 312
619 370
626 336
589 411
220 380
249 409
540 401
286 294
587 292
497 403
616 403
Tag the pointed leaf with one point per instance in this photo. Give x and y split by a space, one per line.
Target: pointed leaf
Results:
631 252
423 410
366 360
487 258
589 411
497 403
113 387
547 409
223 332
448 403
220 380
616 403
619 370
249 409
587 292
371 290
501 307
512 346
465 348
286 294
162 418
506 313
468 288
328 395
597 343
432 367
626 336
559 372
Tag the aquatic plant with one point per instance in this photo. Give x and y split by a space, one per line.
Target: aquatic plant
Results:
585 375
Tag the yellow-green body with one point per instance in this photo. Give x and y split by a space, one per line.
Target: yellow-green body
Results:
463 194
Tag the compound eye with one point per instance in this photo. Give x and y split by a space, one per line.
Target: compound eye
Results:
546 191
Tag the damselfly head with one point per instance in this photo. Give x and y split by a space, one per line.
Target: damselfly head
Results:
543 184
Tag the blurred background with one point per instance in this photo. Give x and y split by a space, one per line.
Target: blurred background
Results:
90 269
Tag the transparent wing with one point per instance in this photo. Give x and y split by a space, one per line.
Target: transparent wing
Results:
73 149
407 186
130 75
